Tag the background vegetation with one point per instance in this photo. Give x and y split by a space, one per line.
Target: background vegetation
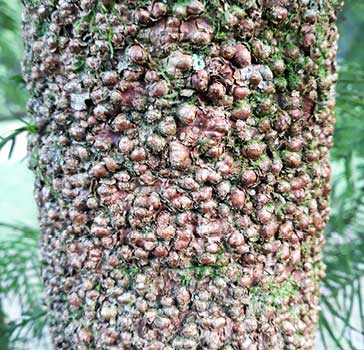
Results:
342 316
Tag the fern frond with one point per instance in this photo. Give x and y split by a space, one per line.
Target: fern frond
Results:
20 279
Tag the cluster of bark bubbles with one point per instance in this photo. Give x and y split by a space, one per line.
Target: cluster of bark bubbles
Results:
182 169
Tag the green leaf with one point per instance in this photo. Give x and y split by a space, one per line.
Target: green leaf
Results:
11 138
20 277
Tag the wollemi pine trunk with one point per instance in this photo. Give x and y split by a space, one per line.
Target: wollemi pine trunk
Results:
182 169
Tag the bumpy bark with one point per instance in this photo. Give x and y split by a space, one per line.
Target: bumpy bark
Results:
182 169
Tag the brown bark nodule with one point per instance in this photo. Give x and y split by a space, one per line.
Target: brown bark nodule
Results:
182 169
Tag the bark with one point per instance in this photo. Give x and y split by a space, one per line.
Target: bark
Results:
182 169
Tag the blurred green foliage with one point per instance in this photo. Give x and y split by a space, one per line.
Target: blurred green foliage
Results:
20 278
12 93
342 317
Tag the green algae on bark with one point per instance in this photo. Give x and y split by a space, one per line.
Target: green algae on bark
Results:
182 169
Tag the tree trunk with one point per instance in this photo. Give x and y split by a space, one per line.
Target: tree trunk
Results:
182 169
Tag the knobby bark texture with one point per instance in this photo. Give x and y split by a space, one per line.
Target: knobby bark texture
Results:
182 169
